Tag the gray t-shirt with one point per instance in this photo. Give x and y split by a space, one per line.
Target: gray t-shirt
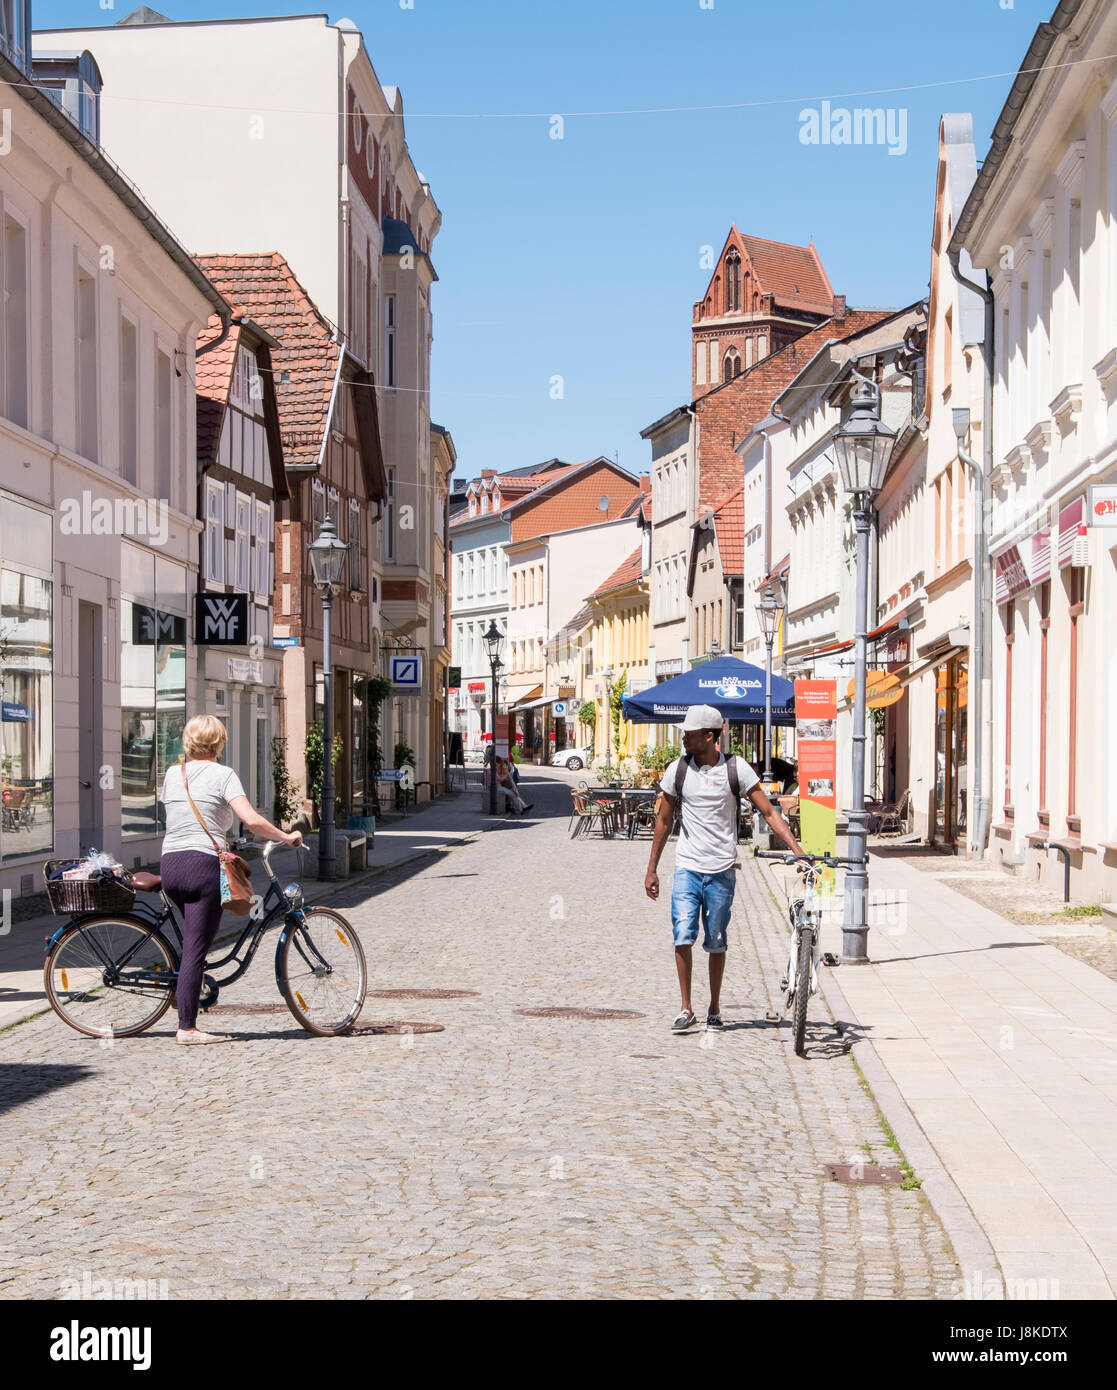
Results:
708 833
213 786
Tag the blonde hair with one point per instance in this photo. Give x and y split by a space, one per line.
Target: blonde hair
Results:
204 736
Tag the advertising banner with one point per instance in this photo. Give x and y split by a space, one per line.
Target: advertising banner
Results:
500 729
816 742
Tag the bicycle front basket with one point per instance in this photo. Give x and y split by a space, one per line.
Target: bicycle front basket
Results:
71 895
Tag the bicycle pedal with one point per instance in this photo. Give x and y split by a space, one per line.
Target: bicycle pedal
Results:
783 983
829 958
770 1017
210 991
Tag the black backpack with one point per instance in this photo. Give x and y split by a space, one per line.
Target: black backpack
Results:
680 778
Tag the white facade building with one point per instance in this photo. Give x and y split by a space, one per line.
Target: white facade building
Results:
1042 221
353 217
99 537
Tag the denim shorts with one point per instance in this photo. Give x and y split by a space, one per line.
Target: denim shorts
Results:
705 896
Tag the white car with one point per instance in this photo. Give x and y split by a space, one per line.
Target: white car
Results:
572 758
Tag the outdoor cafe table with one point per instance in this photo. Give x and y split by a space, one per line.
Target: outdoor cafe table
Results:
627 797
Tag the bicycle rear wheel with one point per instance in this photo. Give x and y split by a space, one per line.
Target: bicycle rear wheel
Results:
321 971
110 976
802 989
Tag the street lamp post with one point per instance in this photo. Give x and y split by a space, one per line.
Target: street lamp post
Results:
607 677
327 563
769 611
494 640
864 446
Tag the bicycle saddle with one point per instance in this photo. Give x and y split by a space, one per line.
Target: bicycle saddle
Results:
147 883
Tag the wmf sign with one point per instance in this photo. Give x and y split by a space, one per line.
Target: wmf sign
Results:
221 620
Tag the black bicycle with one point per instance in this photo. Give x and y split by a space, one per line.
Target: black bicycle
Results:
113 974
801 978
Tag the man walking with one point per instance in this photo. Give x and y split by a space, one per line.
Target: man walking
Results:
707 788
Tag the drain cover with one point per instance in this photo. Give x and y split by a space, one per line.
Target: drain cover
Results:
365 1030
421 994
564 1012
247 1009
865 1173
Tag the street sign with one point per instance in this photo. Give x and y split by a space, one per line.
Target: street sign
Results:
559 709
285 641
453 677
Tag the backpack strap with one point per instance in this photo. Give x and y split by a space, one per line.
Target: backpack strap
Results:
734 780
680 778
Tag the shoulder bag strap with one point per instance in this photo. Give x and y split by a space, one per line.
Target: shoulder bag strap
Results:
201 822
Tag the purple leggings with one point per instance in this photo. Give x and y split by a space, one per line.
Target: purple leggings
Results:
192 881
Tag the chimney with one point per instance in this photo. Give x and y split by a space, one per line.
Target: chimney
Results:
839 311
488 472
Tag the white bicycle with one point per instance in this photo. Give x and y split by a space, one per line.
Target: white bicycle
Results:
800 980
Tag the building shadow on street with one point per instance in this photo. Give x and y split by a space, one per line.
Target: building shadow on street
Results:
21 1082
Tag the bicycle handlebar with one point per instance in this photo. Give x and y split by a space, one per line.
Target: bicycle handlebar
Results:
829 861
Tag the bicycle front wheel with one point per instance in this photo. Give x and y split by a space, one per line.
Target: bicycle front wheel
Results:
110 977
321 971
802 989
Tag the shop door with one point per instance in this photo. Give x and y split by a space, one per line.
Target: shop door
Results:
91 734
951 751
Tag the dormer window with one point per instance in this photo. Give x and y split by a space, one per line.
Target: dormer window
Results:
484 503
248 388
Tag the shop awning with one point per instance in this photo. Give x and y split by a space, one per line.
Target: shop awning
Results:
803 658
918 669
532 703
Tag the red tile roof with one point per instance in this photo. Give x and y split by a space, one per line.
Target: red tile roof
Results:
729 527
794 274
213 379
628 572
264 288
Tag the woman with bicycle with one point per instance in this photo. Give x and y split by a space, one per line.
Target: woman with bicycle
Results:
202 799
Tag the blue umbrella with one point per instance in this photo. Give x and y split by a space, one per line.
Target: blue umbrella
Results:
733 687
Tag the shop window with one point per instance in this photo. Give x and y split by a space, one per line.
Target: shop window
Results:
27 706
152 681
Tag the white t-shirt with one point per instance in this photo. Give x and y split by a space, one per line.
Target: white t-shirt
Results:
213 786
708 833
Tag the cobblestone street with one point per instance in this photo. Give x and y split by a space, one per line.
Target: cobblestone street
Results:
507 1155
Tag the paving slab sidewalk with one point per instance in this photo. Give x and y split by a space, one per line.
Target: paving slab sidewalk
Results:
1005 1051
430 829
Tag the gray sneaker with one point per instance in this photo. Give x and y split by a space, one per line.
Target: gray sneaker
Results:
684 1022
715 1021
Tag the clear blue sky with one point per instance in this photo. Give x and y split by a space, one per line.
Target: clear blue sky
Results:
580 257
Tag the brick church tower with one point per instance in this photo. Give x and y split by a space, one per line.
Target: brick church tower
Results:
762 295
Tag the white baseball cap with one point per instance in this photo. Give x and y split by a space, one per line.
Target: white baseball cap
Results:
701 717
